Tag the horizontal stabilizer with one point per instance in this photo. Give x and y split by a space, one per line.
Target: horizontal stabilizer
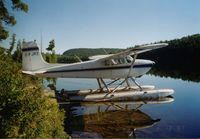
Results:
33 73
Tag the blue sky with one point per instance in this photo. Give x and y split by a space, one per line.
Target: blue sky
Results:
105 23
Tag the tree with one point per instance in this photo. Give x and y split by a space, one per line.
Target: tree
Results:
178 60
51 58
17 56
51 45
12 44
8 19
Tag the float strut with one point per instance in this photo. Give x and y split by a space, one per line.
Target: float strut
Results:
138 107
117 86
105 84
100 86
128 84
136 83
113 82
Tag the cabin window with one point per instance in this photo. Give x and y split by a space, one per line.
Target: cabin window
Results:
116 60
122 61
129 59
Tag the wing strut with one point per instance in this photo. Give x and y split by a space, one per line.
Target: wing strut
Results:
105 84
133 61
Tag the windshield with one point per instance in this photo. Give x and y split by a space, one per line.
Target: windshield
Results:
129 59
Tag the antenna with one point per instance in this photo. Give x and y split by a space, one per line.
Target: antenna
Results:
41 41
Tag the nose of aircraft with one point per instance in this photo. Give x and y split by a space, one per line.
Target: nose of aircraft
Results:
149 62
152 62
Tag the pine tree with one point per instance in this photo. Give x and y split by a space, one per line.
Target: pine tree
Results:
6 18
12 44
51 58
51 45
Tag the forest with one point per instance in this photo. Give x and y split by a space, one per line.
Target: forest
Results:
82 54
179 60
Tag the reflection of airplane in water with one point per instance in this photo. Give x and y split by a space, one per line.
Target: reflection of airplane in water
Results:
114 66
114 120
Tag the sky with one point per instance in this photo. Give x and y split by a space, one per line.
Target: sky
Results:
105 23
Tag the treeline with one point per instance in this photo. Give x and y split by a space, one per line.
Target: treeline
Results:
179 60
83 54
50 56
91 51
70 58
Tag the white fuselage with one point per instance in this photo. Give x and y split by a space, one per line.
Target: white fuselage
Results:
115 67
97 69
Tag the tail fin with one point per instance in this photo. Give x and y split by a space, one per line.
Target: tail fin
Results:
31 57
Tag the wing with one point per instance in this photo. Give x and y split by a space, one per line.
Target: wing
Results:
96 57
133 51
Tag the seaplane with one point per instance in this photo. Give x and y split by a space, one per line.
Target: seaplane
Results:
122 67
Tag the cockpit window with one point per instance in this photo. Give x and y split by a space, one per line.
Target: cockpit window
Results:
122 61
129 59
117 61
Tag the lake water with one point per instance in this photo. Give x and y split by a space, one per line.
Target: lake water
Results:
180 118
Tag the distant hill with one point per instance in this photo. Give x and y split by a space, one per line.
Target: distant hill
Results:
181 59
91 51
74 55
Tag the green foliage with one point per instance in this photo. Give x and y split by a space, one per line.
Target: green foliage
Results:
179 60
3 33
25 112
51 57
7 18
48 57
2 51
74 55
70 59
51 45
91 52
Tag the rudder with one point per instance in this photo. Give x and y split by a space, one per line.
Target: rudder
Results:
32 59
